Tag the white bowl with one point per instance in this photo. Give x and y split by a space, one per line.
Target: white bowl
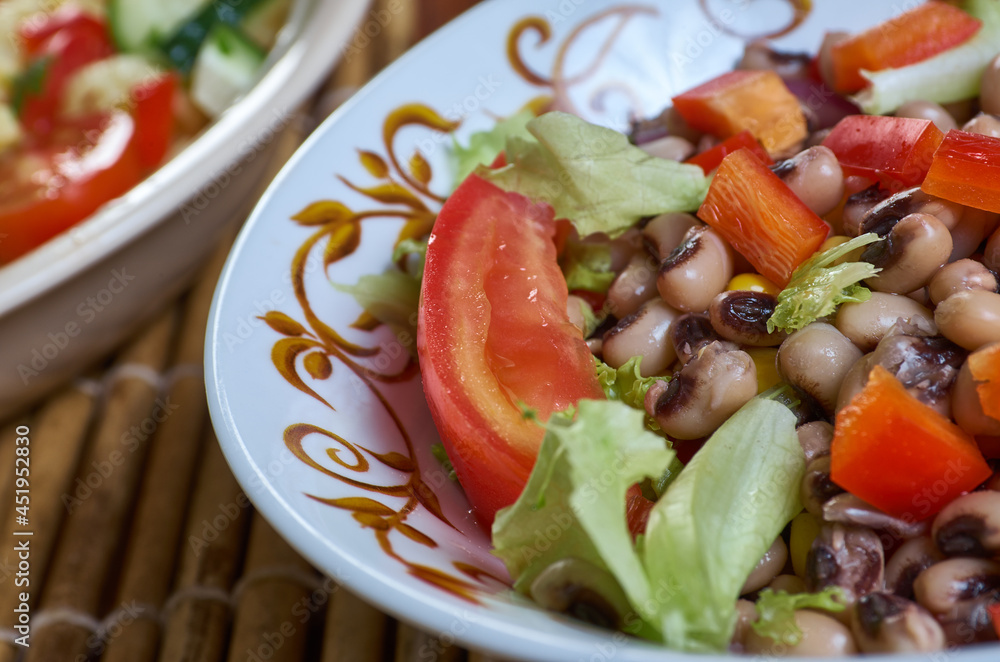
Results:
80 294
313 452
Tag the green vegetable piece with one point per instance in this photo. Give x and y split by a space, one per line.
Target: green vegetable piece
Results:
625 383
441 455
717 519
776 612
594 176
391 298
417 248
953 75
485 146
574 501
587 266
816 288
29 82
182 47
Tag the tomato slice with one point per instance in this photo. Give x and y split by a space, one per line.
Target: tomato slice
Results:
45 190
154 118
57 49
493 335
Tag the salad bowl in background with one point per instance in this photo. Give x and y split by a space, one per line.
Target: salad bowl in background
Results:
320 413
79 295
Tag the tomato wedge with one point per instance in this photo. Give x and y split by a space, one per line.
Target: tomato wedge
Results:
493 335
45 190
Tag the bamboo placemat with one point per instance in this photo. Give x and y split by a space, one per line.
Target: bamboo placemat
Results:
144 547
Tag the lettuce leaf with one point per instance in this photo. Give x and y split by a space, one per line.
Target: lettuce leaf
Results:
776 612
709 530
391 298
587 266
594 176
485 146
625 383
953 75
574 501
817 288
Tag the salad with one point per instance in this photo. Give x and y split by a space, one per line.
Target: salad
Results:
96 94
732 381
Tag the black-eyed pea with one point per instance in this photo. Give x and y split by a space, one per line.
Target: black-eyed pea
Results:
814 175
816 359
643 333
970 319
634 286
697 270
984 124
928 110
887 623
915 248
672 148
959 276
822 636
968 409
867 323
665 232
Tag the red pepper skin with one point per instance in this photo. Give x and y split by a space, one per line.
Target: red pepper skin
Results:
894 151
899 454
913 36
710 159
761 217
966 169
154 118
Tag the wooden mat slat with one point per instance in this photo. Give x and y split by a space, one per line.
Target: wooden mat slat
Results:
355 630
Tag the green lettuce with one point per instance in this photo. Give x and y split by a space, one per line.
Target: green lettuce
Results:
776 611
716 521
816 287
485 146
594 176
574 502
416 248
587 266
625 383
952 75
391 298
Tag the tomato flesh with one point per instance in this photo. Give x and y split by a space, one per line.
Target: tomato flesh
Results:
493 335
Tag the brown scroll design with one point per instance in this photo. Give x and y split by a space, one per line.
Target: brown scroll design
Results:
800 11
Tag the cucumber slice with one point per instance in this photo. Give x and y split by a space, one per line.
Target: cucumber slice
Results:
183 46
263 22
225 68
141 25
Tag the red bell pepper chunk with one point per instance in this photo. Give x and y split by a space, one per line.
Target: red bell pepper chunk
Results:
710 159
984 365
913 36
761 217
899 454
153 110
757 101
637 509
994 610
894 151
966 169
493 334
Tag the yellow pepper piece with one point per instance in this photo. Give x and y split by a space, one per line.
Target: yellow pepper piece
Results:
753 283
765 359
805 528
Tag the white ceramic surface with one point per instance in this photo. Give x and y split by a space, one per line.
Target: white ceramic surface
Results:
75 298
332 451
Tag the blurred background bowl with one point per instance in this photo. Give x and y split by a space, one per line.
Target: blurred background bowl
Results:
75 298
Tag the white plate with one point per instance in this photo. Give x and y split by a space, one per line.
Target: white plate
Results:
340 462
79 295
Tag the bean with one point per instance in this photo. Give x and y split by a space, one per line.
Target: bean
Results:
689 334
767 567
814 175
672 148
867 323
816 359
816 487
707 390
966 237
848 509
666 232
741 317
854 380
883 216
907 562
916 247
815 438
643 333
967 408
825 57
970 319
960 276
579 588
989 88
788 583
928 110
696 271
849 557
887 623
822 636
991 253
759 56
984 124
944 586
969 526
857 207
634 286
575 307
926 366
